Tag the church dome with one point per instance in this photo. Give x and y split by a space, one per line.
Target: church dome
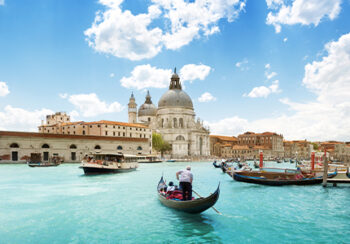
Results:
148 108
175 98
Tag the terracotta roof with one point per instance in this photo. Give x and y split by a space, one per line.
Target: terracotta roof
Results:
224 138
47 135
116 123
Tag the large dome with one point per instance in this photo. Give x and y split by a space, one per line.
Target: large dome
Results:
147 110
175 98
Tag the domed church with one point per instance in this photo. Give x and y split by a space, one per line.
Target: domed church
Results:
174 119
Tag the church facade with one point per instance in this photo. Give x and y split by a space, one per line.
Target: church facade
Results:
174 119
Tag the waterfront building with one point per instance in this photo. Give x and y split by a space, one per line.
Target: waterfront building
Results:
300 149
174 119
220 146
16 147
248 145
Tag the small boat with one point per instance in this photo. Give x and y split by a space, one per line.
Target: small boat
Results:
194 206
109 164
149 159
171 160
36 161
262 180
42 164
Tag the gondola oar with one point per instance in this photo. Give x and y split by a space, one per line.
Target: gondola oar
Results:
211 207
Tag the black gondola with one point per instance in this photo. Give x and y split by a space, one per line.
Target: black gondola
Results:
193 206
280 182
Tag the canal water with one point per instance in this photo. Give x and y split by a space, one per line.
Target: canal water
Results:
61 205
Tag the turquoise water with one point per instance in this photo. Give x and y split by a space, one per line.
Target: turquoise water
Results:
61 205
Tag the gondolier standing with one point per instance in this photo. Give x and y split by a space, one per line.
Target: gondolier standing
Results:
185 178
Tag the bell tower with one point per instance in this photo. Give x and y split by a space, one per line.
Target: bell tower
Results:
132 109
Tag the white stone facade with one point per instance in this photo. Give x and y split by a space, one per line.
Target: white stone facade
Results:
175 120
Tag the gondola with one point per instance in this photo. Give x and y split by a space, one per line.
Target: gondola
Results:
197 205
280 182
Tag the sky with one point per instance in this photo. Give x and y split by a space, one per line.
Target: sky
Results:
276 65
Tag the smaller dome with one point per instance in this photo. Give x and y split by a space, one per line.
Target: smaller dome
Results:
175 76
147 110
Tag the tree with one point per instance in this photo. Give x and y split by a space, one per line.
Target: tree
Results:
315 146
159 144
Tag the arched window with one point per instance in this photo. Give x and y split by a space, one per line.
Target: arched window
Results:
180 138
119 148
181 123
45 146
73 146
97 147
162 123
14 145
175 123
139 148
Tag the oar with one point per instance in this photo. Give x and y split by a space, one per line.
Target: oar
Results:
211 207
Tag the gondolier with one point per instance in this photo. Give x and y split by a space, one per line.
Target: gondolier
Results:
185 178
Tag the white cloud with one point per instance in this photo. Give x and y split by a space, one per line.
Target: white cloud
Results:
90 105
120 33
206 97
111 75
4 89
242 65
304 12
63 95
191 72
73 115
269 76
263 91
267 66
285 39
325 118
18 119
2 2
146 76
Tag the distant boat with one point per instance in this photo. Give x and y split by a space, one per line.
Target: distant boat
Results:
171 160
215 165
289 177
149 159
35 161
192 206
109 164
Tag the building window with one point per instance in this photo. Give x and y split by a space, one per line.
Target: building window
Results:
130 135
73 146
113 126
123 133
140 135
106 133
119 148
83 126
45 146
97 147
106 126
139 148
14 156
46 156
98 126
83 132
73 156
73 126
90 126
113 133
14 145
118 133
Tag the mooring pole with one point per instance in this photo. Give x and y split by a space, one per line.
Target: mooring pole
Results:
325 169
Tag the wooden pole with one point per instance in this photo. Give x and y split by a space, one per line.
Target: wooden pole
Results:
211 207
312 161
325 169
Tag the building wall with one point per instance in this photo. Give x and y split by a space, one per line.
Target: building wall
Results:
61 145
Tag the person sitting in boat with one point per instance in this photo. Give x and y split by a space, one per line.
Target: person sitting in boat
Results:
171 187
185 178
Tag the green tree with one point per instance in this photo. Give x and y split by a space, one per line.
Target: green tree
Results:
315 146
159 144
